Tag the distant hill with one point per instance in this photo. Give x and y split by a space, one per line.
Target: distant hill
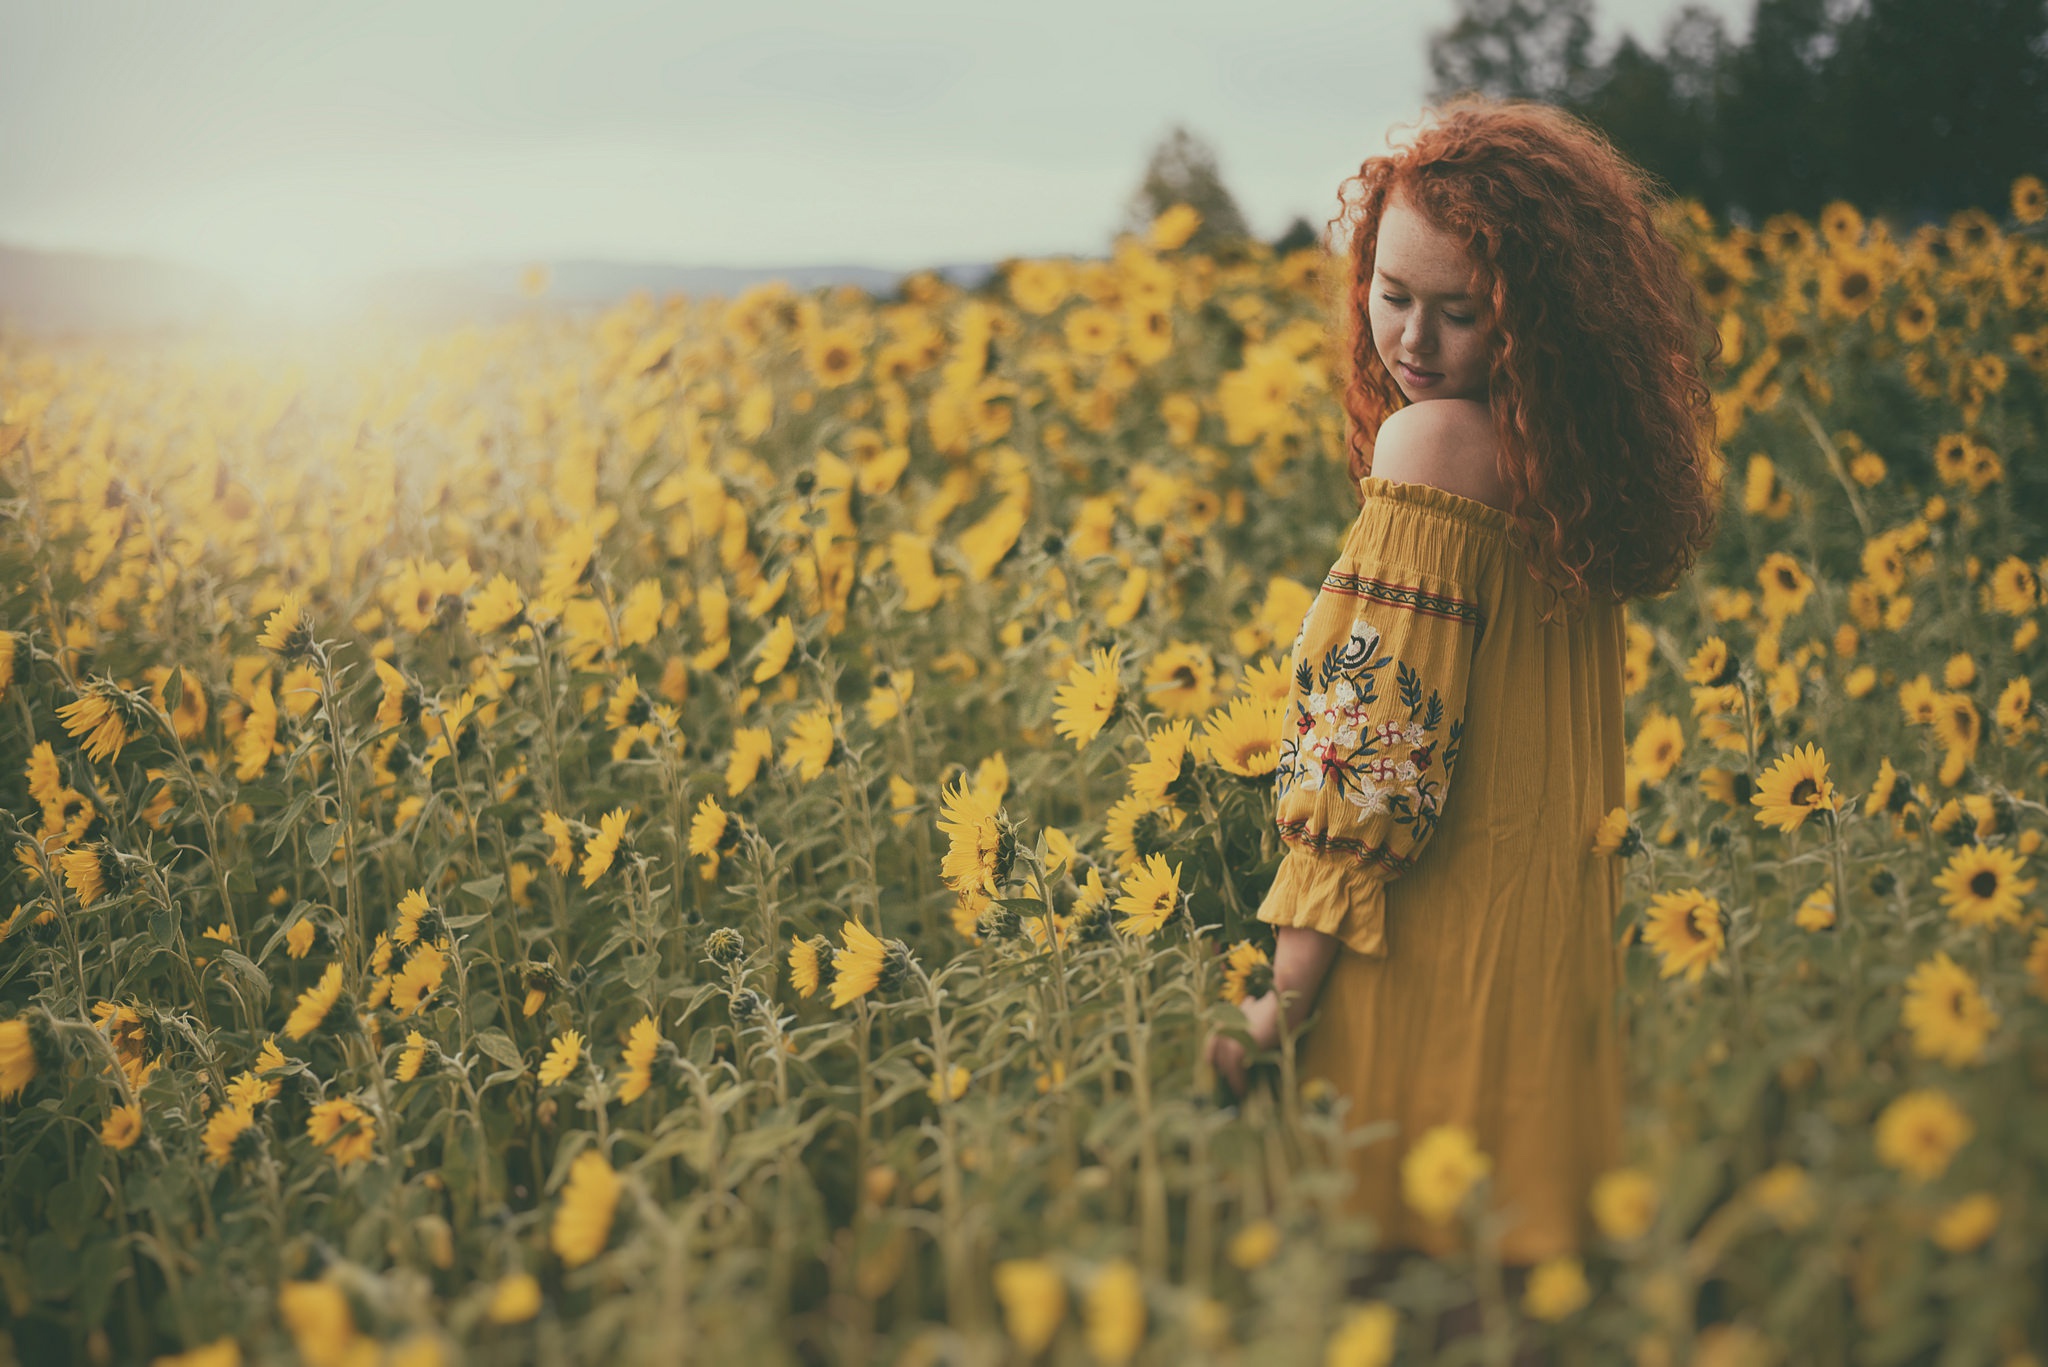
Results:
64 293
48 294
485 293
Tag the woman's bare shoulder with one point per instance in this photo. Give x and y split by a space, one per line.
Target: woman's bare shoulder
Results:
1448 443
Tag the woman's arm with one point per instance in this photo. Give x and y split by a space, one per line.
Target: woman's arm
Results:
1301 960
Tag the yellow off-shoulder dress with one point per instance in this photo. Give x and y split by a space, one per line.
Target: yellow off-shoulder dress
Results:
1444 765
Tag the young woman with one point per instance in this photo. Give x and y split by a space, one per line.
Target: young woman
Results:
1531 434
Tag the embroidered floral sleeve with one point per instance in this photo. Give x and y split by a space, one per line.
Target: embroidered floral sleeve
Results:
1374 722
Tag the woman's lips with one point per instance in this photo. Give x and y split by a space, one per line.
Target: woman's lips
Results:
1418 377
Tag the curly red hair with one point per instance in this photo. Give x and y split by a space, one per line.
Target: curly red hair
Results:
1597 387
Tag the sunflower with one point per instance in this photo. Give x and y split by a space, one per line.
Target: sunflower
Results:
1685 930
1713 665
1440 1169
806 959
1162 776
257 740
412 1056
1659 742
643 1041
1816 911
775 649
418 980
91 871
1916 318
17 1057
583 1222
1034 1297
1920 1132
1919 700
1085 702
1244 737
1948 1015
1151 894
1247 973
991 538
1794 788
750 746
1981 885
122 1127
345 1130
2015 709
288 630
1092 331
910 556
223 1129
1617 835
1785 586
562 857
603 847
1966 1224
99 715
857 967
1039 287
562 1058
314 1004
1957 723
2014 589
834 356
1624 1202
1763 493
495 607
1889 793
412 908
888 691
2029 199
1181 680
813 742
982 840
708 827
1268 681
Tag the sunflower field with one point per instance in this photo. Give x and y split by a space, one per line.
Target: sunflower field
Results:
717 831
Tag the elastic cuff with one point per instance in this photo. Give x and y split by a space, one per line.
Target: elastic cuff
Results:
1334 894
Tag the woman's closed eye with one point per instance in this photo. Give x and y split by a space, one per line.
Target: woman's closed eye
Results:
1448 317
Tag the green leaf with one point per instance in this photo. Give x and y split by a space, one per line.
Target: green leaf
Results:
255 976
499 1046
640 970
320 844
486 889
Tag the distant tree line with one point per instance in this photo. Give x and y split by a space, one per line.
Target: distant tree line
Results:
1911 109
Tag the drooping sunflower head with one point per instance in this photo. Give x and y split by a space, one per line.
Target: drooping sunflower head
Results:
288 630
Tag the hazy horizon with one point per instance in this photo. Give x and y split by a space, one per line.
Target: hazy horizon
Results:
291 150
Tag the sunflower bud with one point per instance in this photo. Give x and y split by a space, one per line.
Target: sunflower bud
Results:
726 947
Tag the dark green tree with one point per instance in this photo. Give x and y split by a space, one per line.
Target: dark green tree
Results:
1910 108
1183 170
1516 49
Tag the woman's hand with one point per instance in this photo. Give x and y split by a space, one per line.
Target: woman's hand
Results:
1227 1054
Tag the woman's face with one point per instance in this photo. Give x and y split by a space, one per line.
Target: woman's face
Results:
1425 309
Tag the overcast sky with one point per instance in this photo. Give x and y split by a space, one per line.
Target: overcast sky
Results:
286 142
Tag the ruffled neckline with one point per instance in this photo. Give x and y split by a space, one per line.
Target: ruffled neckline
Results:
1482 516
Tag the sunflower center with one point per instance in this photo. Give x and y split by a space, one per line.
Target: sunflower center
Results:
1984 883
1803 793
1787 580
